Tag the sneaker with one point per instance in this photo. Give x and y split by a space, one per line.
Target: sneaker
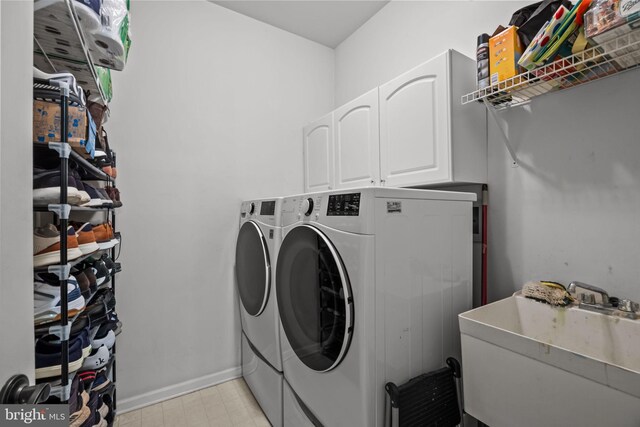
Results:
97 359
101 272
78 419
87 239
104 236
84 196
46 188
46 300
101 380
97 198
48 356
79 323
94 402
84 335
103 337
114 323
105 196
108 262
46 245
103 410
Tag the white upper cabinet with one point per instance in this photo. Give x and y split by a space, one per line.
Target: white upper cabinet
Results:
410 132
357 148
318 154
426 137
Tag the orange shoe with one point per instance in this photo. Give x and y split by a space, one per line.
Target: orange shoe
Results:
46 245
104 236
86 239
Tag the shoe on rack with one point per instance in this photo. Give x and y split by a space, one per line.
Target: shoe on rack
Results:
103 410
83 415
104 236
98 358
114 324
97 197
86 198
94 403
46 300
103 337
93 280
114 194
101 273
103 161
102 304
46 245
101 380
84 335
48 356
86 238
80 322
108 262
46 188
83 283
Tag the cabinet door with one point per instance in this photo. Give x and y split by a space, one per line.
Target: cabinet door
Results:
414 126
318 154
357 142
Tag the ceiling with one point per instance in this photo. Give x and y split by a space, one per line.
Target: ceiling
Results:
326 22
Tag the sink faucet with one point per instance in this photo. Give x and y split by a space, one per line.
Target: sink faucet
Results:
624 308
574 286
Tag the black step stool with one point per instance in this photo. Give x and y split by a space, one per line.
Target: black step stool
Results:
427 400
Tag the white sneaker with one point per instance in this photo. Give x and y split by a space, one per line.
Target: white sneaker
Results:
46 300
108 340
97 359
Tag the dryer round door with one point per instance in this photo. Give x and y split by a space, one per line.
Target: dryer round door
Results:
253 269
314 298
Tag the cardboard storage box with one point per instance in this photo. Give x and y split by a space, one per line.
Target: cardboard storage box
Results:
505 49
46 126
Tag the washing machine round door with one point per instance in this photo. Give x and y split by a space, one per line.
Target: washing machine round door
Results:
253 269
314 298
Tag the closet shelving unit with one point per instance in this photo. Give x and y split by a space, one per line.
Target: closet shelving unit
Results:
60 44
618 55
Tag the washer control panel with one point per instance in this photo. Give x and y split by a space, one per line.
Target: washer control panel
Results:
344 204
268 208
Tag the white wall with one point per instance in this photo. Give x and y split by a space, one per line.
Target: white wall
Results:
570 211
406 33
16 232
207 112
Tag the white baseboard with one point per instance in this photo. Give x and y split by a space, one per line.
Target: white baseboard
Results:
166 393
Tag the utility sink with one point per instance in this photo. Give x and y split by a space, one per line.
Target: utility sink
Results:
527 363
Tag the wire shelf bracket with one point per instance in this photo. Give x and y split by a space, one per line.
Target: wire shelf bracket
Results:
503 134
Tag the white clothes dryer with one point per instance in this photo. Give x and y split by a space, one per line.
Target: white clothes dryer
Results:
257 247
369 285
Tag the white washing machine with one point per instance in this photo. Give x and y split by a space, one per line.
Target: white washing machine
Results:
369 285
257 247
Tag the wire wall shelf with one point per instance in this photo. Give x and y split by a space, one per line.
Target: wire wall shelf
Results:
60 44
609 58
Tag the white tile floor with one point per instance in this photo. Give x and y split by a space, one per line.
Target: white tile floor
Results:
227 404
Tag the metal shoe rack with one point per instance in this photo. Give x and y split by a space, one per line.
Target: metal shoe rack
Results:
52 54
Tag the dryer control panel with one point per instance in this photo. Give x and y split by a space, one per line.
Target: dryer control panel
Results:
344 204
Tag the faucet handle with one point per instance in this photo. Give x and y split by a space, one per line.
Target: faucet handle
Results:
575 285
588 298
628 306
